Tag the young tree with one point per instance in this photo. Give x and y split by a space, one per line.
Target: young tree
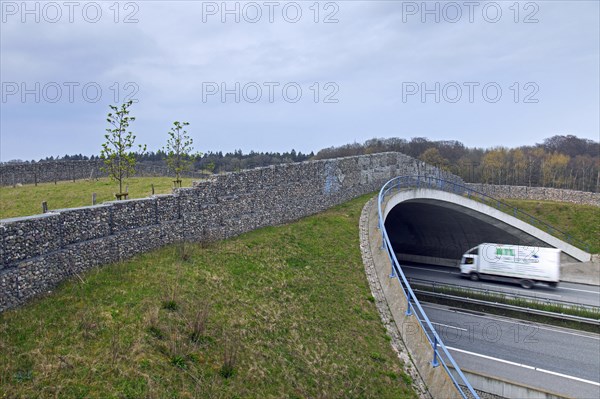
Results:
179 150
119 161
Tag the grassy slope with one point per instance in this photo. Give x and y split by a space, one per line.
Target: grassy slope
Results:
27 200
580 221
291 301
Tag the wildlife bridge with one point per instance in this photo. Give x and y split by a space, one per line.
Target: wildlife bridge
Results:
434 221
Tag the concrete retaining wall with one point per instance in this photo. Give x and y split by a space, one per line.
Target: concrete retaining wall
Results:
493 387
39 251
412 344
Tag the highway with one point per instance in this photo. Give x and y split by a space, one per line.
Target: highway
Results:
569 292
559 360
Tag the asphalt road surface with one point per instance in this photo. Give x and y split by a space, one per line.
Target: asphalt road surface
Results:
554 359
569 292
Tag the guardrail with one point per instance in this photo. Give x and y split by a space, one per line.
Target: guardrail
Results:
520 309
504 294
440 352
456 188
441 355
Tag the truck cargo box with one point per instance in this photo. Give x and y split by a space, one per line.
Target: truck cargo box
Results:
526 264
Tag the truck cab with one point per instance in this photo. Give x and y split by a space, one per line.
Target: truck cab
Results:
468 263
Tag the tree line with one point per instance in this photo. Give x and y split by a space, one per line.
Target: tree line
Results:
213 161
559 161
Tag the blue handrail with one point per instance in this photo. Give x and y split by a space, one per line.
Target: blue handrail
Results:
411 181
414 306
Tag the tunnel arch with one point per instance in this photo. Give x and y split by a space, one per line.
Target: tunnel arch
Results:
437 227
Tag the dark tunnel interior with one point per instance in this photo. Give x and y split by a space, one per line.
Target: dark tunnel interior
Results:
444 230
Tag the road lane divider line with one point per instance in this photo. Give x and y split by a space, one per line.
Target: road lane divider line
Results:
447 325
575 289
510 321
425 268
525 366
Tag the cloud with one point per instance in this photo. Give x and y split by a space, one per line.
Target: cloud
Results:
169 56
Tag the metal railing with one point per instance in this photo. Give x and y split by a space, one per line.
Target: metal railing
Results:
531 298
441 355
415 181
440 352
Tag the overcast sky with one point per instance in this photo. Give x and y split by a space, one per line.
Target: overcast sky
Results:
295 75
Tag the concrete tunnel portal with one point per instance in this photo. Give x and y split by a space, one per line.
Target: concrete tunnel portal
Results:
435 227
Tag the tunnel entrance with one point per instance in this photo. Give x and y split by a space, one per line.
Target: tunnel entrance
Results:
426 228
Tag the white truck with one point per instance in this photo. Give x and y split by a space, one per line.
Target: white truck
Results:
512 263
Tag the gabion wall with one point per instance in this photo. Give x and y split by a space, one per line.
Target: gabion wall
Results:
538 193
38 252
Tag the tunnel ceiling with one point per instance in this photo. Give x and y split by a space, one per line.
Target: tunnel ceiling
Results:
444 230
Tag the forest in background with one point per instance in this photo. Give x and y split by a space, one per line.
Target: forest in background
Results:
560 161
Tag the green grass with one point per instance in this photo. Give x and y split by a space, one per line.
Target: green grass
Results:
580 221
27 200
278 312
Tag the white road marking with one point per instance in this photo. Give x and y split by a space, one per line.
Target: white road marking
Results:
425 268
526 366
575 289
541 327
449 326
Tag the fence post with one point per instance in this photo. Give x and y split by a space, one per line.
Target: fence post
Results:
408 309
435 362
93 198
44 207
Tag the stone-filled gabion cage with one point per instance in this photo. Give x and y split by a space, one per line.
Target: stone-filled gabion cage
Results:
38 252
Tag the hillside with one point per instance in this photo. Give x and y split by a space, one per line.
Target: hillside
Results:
279 312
